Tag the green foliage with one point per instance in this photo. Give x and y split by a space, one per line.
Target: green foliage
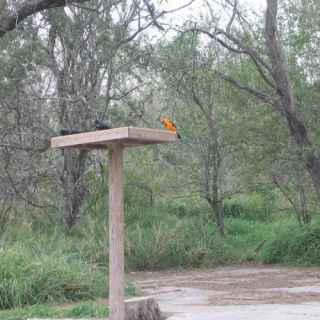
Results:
233 210
130 289
80 310
53 267
32 274
245 236
90 309
256 206
184 208
158 239
293 245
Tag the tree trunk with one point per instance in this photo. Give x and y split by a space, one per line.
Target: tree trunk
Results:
220 218
286 101
213 172
217 208
292 201
313 166
74 189
303 204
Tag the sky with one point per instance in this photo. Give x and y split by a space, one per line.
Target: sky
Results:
255 4
252 8
198 6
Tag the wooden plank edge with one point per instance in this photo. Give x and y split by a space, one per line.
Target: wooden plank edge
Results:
104 137
152 135
91 137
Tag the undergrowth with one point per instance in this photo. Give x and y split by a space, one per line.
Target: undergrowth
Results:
32 275
294 245
79 310
40 263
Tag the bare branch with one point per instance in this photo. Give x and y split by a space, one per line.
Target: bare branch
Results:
21 196
240 49
151 9
234 13
179 8
9 20
126 93
262 96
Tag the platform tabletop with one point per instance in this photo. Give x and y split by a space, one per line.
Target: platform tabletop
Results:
126 136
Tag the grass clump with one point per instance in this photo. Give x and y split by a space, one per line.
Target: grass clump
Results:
31 277
86 310
162 240
79 310
293 245
246 236
54 267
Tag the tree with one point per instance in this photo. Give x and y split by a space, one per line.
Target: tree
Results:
89 60
187 73
276 91
10 18
24 140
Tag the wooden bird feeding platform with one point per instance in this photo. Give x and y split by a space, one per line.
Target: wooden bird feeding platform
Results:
115 141
126 137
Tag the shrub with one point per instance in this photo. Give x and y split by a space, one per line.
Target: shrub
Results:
245 236
31 276
255 206
173 242
294 245
233 210
79 310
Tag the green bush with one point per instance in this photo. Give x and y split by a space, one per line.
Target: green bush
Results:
256 206
51 266
245 236
86 310
233 210
172 242
294 245
79 310
30 276
186 208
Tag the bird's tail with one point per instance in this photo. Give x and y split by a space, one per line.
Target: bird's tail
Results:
178 135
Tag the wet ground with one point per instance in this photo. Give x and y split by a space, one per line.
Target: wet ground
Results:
237 293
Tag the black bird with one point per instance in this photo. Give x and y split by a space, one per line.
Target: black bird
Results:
64 132
102 125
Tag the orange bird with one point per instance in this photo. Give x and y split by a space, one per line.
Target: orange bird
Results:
169 125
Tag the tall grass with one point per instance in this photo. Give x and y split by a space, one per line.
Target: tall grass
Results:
245 237
38 266
293 245
87 309
174 243
258 206
31 276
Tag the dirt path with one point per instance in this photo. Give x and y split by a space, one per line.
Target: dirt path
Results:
240 292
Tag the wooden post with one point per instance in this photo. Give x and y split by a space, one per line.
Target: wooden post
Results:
116 140
116 233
